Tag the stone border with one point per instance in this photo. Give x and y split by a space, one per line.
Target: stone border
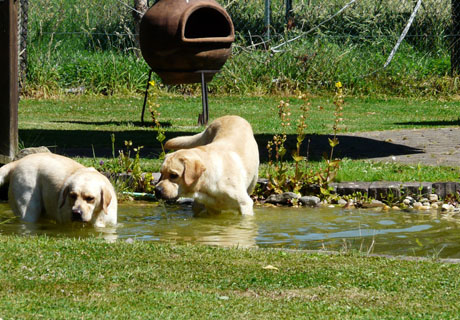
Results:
381 189
378 190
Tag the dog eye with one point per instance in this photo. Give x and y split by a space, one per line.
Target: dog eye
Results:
89 199
73 196
173 176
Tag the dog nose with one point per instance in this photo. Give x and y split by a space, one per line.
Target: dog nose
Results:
158 191
77 214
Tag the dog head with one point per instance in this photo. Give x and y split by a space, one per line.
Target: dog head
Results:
180 173
87 195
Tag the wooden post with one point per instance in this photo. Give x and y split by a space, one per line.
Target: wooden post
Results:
141 7
455 39
8 80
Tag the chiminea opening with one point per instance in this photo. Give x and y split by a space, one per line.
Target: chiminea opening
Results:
206 23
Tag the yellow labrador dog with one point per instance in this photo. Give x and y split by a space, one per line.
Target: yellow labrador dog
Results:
217 167
46 184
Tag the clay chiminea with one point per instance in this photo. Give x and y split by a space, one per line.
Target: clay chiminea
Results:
180 38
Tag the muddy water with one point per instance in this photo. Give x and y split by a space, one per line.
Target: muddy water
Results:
396 233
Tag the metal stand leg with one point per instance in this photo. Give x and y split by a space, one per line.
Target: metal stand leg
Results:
146 96
203 117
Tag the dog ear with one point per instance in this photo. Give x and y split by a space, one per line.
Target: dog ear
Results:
106 198
65 193
193 169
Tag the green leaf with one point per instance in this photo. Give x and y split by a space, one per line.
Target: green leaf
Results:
300 138
297 158
161 137
333 142
282 152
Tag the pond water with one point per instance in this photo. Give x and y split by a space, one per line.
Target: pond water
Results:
393 232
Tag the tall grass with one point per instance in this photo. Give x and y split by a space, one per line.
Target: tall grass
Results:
91 44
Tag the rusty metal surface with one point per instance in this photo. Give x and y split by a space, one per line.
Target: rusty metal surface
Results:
179 37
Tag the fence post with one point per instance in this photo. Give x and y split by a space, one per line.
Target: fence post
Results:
455 42
8 80
288 11
267 18
141 7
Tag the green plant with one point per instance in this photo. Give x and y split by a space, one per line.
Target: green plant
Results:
391 199
280 179
155 114
300 161
359 199
419 176
124 163
277 167
325 176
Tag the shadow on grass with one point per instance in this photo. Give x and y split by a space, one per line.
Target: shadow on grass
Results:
82 143
438 123
146 124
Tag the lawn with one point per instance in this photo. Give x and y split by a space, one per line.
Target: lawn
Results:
81 126
91 279
180 113
56 278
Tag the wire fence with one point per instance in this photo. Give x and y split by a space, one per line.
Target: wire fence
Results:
363 35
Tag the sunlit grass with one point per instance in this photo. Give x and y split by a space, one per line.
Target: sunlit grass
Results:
67 278
87 122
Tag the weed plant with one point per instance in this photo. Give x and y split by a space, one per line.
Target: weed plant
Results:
155 114
300 179
125 170
125 163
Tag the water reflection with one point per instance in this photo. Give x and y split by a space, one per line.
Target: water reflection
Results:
396 233
178 224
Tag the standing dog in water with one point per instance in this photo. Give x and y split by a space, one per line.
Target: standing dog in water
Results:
218 167
53 186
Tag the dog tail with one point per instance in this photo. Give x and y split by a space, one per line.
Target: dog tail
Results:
187 142
5 172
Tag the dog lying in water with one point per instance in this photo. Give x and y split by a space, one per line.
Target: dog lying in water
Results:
218 167
53 186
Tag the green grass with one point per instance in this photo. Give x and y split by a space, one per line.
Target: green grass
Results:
368 171
52 278
85 122
91 43
180 113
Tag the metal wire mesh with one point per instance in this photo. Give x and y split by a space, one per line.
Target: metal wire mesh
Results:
308 30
